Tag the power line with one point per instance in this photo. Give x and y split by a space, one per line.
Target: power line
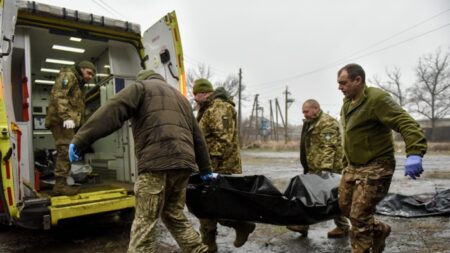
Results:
392 36
111 8
333 63
101 6
327 66
401 42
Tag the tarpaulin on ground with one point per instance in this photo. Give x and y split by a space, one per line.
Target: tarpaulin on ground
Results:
308 199
415 206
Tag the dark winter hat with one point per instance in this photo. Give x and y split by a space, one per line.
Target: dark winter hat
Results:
202 85
87 64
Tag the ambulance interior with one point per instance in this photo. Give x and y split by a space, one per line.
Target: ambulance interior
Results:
38 54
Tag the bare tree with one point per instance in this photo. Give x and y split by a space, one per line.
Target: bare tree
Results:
231 84
393 85
430 94
202 71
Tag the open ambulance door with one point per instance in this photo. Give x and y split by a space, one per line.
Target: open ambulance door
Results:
8 14
164 54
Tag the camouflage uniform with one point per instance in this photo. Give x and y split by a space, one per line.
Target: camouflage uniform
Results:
169 147
162 194
321 150
320 145
369 151
66 102
217 120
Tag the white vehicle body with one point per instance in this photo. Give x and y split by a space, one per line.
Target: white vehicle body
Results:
30 32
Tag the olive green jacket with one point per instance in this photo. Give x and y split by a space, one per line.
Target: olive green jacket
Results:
367 128
166 134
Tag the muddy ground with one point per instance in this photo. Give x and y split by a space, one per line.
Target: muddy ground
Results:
110 233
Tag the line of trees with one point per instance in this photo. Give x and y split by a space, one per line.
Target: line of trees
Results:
429 95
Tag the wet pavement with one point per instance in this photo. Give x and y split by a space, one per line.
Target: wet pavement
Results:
110 233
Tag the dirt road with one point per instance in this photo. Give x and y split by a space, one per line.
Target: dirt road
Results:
110 233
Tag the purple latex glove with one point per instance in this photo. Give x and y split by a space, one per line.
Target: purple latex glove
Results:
413 166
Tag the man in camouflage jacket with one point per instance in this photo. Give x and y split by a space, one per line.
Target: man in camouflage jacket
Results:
65 115
169 148
217 120
321 150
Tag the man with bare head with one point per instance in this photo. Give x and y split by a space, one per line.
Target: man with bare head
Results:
65 115
321 150
368 117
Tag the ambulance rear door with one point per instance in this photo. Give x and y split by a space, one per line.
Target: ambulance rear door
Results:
164 54
8 16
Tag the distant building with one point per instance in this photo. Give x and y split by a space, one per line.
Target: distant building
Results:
267 130
442 130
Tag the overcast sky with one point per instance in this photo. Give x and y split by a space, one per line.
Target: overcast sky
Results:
294 43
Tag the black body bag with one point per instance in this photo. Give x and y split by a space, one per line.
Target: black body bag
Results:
308 199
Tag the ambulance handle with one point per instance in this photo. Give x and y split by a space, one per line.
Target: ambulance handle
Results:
171 71
9 46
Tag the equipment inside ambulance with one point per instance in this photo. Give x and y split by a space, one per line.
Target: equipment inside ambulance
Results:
37 40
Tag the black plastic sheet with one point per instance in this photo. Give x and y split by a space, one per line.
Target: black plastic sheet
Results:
308 199
415 206
44 161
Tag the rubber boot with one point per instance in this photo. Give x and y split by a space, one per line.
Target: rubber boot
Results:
242 233
337 233
302 229
209 239
61 188
380 235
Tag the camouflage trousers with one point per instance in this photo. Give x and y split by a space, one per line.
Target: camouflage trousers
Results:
340 221
162 194
360 190
62 137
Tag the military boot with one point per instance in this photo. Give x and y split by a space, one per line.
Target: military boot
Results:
379 237
61 188
209 239
337 233
302 229
242 233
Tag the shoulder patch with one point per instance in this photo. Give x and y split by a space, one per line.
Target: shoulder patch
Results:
64 82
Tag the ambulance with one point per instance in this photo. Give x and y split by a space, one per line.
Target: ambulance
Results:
36 41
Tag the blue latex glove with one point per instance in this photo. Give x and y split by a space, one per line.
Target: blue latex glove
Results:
207 177
74 153
413 166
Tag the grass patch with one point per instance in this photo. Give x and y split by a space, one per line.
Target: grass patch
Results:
438 174
441 148
273 146
433 147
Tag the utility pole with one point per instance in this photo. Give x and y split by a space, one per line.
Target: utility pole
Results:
278 109
276 119
239 105
262 123
257 122
287 103
272 127
249 128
